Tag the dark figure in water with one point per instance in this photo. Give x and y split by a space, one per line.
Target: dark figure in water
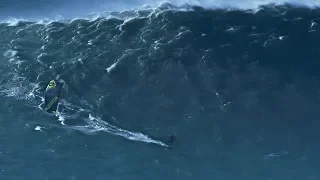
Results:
171 139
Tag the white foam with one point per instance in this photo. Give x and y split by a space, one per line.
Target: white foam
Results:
13 21
112 67
275 155
69 111
17 88
38 128
61 118
96 124
31 94
178 5
209 4
10 54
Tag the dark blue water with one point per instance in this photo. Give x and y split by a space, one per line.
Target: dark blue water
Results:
239 89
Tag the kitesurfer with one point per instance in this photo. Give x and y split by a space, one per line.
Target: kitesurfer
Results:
51 96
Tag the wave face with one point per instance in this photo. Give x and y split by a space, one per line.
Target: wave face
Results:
239 88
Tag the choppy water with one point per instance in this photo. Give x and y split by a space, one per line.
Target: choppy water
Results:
238 88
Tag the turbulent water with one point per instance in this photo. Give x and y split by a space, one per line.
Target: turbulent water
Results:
238 88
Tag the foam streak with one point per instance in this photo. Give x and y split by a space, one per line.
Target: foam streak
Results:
96 124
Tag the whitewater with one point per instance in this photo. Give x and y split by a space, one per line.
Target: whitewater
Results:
40 10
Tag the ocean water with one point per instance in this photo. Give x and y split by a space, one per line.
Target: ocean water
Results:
237 83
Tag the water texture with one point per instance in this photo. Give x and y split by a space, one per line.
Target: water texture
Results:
238 87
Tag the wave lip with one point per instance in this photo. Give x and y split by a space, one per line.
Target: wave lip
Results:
107 9
244 4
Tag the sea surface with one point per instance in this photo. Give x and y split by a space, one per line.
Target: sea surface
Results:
237 83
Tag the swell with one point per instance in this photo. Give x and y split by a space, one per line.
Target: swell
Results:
252 62
139 43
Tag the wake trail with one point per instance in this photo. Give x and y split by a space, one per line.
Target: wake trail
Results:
97 124
68 111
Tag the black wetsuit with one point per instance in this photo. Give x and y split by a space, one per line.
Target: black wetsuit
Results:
171 139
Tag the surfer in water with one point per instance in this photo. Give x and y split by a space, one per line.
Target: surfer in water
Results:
171 138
